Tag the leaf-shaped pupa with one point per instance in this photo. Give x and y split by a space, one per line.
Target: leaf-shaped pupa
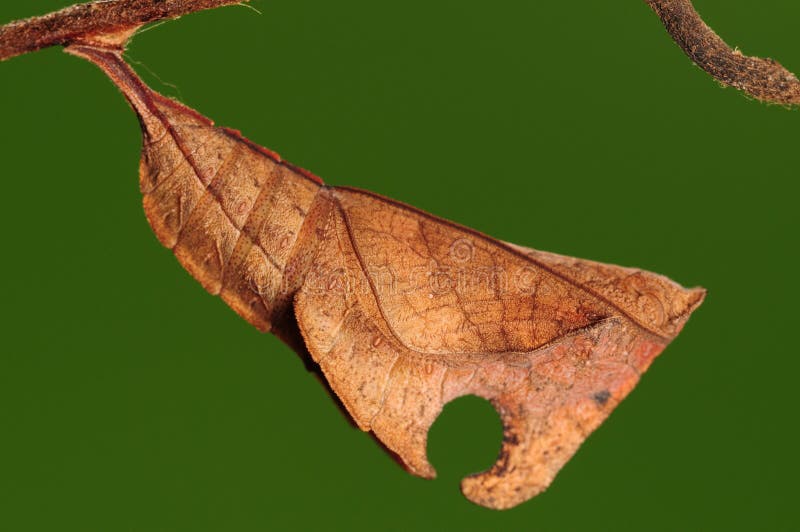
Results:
402 311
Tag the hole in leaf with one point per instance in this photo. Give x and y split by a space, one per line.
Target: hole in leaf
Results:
465 438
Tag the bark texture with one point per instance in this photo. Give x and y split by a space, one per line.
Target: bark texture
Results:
82 20
763 79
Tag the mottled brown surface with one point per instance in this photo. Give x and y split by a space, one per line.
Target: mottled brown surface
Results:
763 79
426 311
63 27
402 311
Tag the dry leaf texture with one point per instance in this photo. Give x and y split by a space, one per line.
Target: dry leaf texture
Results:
402 311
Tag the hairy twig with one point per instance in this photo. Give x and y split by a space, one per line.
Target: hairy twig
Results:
104 16
763 79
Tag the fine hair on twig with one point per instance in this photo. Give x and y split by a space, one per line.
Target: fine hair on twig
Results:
763 79
107 16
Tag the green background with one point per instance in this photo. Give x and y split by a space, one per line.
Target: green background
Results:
130 400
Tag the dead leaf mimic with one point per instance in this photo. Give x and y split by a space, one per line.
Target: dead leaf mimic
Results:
402 311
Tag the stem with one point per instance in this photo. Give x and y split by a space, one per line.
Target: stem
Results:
763 79
104 16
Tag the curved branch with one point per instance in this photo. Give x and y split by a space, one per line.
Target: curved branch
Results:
104 16
763 79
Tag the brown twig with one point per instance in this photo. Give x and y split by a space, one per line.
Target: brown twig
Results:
104 16
763 79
